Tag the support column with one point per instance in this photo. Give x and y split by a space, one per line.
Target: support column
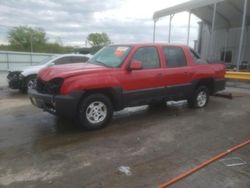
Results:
169 28
212 32
225 45
31 48
188 31
242 34
7 58
154 31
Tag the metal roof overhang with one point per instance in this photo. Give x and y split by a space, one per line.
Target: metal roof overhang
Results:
228 12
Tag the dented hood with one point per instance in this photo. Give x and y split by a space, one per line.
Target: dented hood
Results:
68 70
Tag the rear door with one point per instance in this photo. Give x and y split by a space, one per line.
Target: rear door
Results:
177 74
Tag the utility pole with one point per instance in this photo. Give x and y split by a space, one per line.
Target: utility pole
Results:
31 47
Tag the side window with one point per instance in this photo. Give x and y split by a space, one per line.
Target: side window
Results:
175 57
84 59
62 60
148 56
75 59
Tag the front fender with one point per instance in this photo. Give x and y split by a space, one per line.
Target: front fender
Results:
88 82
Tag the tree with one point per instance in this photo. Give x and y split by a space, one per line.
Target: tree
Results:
98 39
23 38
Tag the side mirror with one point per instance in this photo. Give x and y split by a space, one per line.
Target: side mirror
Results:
135 65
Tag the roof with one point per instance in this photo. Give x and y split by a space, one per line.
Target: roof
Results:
155 44
228 12
148 44
70 55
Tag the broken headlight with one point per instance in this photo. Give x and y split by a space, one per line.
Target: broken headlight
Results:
49 87
54 85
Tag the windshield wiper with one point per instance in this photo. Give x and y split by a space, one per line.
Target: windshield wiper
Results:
101 63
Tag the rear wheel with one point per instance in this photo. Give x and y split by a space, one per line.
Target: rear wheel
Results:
95 111
200 97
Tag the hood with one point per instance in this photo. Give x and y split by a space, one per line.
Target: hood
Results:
68 70
32 70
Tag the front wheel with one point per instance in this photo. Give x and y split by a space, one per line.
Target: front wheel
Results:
200 97
95 111
29 83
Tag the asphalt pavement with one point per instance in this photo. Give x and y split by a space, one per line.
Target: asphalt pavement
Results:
141 148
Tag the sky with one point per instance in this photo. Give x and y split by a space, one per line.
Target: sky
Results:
70 21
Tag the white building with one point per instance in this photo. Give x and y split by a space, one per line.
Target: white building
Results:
224 32
225 45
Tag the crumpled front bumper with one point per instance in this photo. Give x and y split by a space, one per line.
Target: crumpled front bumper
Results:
15 80
60 105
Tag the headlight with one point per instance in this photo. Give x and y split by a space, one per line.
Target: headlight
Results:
54 85
13 75
51 87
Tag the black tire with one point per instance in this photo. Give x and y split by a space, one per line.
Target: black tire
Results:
195 102
89 122
27 82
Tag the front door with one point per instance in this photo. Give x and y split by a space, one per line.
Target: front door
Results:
141 86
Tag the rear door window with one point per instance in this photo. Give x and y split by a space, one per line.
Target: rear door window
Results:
174 57
62 60
75 59
84 59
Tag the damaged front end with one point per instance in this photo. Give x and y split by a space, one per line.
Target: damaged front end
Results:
15 80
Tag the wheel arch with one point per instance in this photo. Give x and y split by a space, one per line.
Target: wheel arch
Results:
113 93
26 78
208 82
24 81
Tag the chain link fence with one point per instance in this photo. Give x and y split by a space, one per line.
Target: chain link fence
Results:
11 60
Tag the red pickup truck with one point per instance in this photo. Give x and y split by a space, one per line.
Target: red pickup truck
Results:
126 75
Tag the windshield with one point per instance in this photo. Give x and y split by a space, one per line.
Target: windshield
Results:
45 60
110 56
